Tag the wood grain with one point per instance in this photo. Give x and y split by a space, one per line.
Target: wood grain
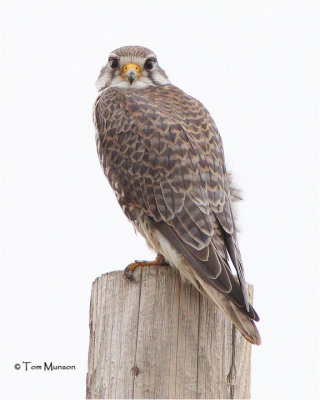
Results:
158 337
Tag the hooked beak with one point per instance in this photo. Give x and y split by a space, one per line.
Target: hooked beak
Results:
131 72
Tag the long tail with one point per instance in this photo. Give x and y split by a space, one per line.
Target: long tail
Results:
178 254
241 320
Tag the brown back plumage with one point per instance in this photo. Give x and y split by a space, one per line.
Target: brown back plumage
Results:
163 156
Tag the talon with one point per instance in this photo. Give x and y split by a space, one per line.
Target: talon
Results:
159 261
128 274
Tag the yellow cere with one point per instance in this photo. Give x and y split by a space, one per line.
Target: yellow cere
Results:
134 66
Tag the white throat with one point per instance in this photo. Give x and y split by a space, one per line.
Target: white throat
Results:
141 82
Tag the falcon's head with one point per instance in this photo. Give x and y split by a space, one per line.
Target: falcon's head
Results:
131 67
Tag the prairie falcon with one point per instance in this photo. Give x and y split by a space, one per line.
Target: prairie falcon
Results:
163 156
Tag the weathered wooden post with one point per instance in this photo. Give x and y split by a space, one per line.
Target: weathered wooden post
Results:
157 337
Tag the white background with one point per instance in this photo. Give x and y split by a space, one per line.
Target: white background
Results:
255 67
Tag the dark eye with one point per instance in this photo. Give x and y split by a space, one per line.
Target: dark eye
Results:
114 63
149 63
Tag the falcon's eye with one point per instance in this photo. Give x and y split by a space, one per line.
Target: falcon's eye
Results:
149 63
114 63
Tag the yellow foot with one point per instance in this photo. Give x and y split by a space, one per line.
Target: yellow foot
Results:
128 272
